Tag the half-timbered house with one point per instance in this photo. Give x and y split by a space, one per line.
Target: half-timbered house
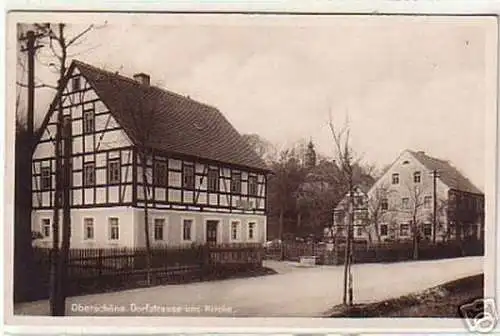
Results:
136 146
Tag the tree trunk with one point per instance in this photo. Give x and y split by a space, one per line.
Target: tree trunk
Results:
26 284
415 240
66 217
282 245
348 252
370 240
55 309
145 190
377 232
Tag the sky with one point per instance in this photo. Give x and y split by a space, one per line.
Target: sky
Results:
404 82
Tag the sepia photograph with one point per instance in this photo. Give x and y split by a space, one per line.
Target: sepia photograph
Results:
264 166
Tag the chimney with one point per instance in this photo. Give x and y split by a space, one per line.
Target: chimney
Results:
142 78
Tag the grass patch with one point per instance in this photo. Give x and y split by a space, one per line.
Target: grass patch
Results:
440 301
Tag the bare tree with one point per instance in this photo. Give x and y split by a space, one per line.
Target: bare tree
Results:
378 209
54 35
414 203
288 176
347 161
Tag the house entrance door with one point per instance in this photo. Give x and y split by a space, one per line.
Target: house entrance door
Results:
212 231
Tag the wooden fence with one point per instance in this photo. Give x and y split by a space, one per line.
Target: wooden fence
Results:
380 252
97 270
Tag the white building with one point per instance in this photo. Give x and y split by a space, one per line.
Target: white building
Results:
417 195
206 185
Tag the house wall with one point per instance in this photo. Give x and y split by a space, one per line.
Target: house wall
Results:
173 227
100 218
107 141
406 165
397 215
131 227
173 194
125 199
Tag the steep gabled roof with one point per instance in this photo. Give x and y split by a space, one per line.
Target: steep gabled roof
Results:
448 174
162 120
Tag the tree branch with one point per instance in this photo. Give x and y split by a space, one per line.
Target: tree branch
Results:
38 86
85 31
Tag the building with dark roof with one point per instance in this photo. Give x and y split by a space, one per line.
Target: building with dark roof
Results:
417 196
428 197
203 182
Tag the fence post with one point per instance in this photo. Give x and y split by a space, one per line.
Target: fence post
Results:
205 261
99 262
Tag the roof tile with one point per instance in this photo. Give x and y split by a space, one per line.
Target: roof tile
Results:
166 121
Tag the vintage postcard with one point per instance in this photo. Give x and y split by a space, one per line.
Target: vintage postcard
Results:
203 171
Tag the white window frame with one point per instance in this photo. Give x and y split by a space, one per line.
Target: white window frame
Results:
45 176
42 227
395 178
160 166
407 232
256 185
405 205
236 184
86 121
110 173
238 231
386 230
188 180
84 180
164 231
74 80
110 231
384 201
217 180
427 225
193 230
255 230
85 238
427 205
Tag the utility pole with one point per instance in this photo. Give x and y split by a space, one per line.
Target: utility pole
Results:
31 48
23 228
434 198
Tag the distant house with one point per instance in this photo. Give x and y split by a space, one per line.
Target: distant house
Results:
205 184
360 216
418 194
